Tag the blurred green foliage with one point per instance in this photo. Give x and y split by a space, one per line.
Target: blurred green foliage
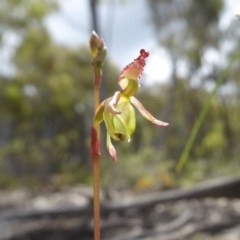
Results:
46 105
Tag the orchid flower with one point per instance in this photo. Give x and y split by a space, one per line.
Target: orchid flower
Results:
118 112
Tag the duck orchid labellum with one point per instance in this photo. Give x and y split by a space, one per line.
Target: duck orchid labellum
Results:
118 112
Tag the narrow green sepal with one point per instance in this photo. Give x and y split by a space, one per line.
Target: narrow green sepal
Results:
111 149
98 117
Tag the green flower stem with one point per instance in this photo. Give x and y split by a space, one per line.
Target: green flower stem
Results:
183 158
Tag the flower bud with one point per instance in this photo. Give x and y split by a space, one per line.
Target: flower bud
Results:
98 49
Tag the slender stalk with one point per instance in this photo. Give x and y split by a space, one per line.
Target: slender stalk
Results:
98 53
96 163
96 199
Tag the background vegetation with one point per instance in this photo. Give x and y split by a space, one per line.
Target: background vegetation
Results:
46 101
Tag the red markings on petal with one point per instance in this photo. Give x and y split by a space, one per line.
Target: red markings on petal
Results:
144 54
135 68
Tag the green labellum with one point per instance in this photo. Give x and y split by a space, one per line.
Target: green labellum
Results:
120 126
